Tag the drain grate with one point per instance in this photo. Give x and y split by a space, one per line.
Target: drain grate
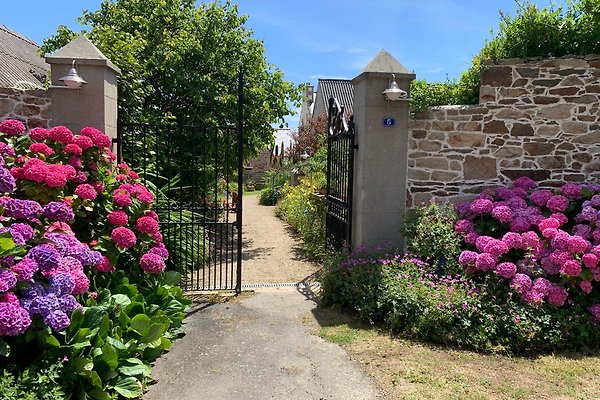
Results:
300 285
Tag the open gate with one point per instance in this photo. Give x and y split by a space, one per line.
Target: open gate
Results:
196 173
340 168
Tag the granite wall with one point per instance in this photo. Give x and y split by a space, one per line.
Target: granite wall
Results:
33 107
539 118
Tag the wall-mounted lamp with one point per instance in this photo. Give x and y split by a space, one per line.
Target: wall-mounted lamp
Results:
393 92
72 80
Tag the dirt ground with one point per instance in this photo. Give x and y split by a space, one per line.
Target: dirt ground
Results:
271 251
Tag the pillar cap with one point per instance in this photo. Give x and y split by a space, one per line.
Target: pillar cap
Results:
383 65
84 52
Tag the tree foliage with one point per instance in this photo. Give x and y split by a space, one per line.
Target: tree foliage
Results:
532 32
179 63
310 137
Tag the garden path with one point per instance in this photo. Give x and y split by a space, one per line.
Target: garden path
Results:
260 346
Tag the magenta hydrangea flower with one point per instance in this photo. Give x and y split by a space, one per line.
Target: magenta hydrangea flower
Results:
585 231
38 133
161 250
471 237
58 211
586 286
86 191
571 190
530 240
561 218
506 270
496 248
577 244
590 260
83 142
25 269
504 193
118 217
533 298
520 283
513 240
557 295
485 262
152 263
147 225
61 134
517 203
540 197
560 241
123 237
571 268
520 224
82 283
7 181
462 226
467 257
548 223
74 149
502 213
541 285
14 320
557 203
12 127
104 265
524 182
122 199
481 206
17 208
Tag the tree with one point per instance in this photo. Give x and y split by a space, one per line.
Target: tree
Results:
179 64
311 136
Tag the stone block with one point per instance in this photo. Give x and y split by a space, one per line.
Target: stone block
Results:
572 81
535 174
497 76
545 100
552 162
479 168
443 126
495 126
432 163
585 99
470 140
559 111
566 91
588 138
548 130
429 146
509 152
418 134
487 94
547 82
528 72
539 148
574 127
6 106
469 126
583 157
521 130
444 176
26 110
418 174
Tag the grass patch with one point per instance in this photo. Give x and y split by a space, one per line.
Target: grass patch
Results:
405 369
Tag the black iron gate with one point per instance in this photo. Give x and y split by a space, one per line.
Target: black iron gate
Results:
196 174
340 167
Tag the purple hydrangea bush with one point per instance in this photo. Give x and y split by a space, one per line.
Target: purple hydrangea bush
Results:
544 244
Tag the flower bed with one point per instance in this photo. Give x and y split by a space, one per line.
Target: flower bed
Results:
81 263
529 278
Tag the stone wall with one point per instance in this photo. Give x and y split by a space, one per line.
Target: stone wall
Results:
539 118
33 107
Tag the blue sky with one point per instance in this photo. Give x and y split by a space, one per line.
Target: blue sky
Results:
311 39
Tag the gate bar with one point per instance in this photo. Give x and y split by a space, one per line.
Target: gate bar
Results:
238 284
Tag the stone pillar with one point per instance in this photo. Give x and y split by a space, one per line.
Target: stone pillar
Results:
95 103
380 164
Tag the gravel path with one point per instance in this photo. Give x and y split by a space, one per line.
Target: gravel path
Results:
272 253
260 346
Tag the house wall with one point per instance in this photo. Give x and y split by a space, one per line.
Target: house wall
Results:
538 118
33 107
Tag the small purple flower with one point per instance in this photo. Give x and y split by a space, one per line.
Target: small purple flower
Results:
14 320
17 208
68 303
58 211
7 181
8 280
57 320
43 305
25 230
45 255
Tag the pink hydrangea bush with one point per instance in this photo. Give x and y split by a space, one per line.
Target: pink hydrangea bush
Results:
544 244
71 214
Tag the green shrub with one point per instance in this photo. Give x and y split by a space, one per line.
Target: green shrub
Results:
269 196
34 383
429 232
273 181
304 211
